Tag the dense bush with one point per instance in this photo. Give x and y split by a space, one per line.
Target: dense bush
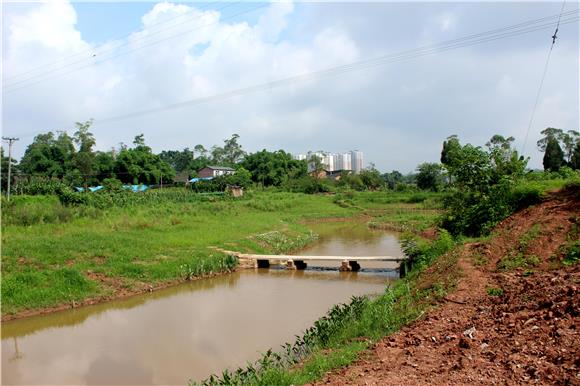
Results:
219 184
483 191
421 252
472 214
38 186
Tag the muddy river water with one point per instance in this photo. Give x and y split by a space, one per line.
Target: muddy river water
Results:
192 330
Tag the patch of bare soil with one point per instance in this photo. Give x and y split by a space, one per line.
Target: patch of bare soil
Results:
518 326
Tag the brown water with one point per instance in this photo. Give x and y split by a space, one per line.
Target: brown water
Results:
191 330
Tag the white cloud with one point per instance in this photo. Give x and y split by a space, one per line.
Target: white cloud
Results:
274 20
398 114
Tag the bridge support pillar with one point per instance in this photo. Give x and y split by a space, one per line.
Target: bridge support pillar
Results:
402 269
290 264
349 265
354 266
263 263
300 264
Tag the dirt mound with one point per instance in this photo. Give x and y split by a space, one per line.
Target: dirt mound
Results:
513 319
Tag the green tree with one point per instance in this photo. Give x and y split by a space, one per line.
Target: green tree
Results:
575 161
315 165
392 179
481 193
553 155
200 151
180 161
351 180
139 140
84 159
505 160
450 146
230 154
371 178
140 166
569 141
4 170
233 151
241 177
566 140
273 168
104 165
48 156
429 176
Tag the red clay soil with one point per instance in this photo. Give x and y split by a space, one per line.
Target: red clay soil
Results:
528 335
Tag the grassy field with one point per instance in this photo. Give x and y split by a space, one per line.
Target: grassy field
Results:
54 254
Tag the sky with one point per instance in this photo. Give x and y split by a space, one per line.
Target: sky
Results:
124 64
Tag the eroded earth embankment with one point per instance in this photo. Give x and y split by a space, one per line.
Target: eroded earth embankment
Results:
513 319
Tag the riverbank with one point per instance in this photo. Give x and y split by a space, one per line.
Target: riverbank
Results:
501 308
52 261
201 326
513 317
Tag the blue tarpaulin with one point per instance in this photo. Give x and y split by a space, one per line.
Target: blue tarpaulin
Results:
91 188
136 188
194 180
133 188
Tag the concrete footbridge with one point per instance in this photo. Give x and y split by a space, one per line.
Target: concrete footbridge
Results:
347 263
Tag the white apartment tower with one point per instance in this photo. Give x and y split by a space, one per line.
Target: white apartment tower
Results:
352 160
356 161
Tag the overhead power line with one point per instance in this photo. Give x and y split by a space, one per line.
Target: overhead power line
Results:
90 61
109 46
356 66
15 86
466 41
544 72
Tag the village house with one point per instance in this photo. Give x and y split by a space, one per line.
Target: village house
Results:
215 171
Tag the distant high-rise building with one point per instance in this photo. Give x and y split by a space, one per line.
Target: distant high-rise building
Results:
345 161
357 161
352 160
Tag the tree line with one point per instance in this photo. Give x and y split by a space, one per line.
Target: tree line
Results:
74 161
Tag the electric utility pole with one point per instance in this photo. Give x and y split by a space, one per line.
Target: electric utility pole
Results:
10 141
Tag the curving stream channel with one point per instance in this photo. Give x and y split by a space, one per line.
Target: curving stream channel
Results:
195 329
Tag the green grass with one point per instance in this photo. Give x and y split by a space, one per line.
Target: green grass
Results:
403 219
492 291
315 367
518 257
148 243
156 238
401 212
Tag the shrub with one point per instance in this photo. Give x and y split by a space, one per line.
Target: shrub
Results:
421 253
472 213
112 185
308 185
525 195
417 198
572 255
492 291
38 186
